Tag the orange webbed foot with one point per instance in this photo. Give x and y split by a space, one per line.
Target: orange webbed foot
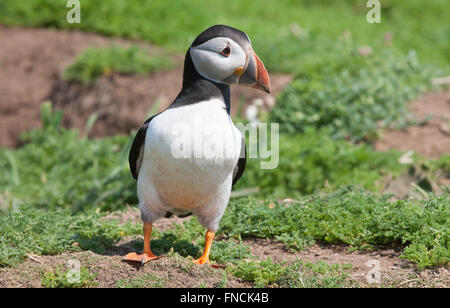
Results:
142 258
202 260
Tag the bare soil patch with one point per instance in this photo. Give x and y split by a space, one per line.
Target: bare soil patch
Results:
31 61
123 102
31 65
432 137
394 271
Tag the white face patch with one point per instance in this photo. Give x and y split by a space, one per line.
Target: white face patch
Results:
211 64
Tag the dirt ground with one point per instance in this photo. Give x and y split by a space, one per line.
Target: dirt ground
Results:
30 63
431 138
31 66
173 271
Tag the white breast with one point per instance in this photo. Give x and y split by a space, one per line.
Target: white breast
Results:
189 157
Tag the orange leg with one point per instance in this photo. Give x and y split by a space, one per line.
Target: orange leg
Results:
208 241
147 255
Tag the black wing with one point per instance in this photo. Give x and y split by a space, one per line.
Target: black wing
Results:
240 166
137 149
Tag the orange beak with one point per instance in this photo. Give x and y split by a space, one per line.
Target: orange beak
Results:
255 74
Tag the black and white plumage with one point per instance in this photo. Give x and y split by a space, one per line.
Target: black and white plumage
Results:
186 158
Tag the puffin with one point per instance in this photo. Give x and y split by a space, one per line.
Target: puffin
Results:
186 158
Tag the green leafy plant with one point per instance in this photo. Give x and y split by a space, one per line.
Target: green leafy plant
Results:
313 161
354 96
59 279
349 216
299 274
229 251
261 273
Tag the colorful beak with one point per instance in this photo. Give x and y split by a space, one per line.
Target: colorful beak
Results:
255 75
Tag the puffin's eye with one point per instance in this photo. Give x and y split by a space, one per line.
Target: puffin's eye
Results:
226 51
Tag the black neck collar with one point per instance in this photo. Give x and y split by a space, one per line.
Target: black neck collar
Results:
196 88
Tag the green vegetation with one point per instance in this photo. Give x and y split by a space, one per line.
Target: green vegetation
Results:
442 164
288 35
95 62
58 168
353 96
28 230
349 216
299 274
229 251
187 239
59 279
336 87
313 161
144 281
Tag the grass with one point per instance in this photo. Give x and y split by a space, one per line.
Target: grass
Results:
299 274
28 230
144 281
60 279
95 62
284 33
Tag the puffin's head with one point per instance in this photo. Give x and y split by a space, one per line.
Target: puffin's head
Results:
225 55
